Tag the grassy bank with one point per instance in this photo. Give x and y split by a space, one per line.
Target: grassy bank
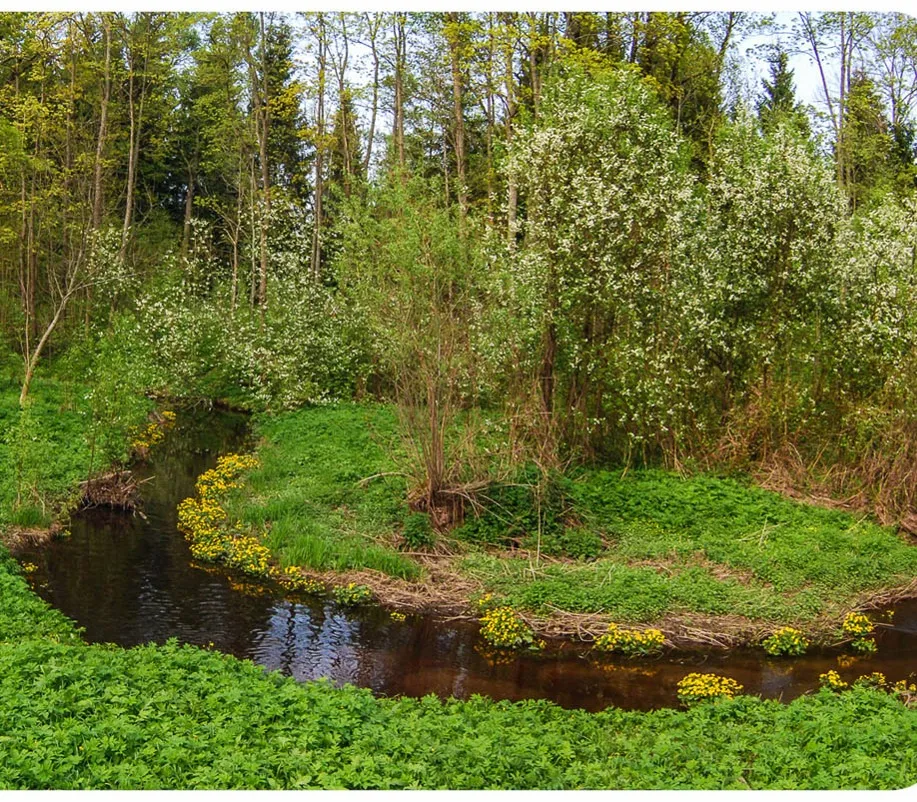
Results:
701 554
52 445
308 492
80 716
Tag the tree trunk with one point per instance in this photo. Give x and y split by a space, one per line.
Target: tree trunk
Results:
509 84
103 129
373 33
189 209
319 151
398 126
31 360
265 171
454 37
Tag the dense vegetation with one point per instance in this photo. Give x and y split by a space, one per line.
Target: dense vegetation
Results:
78 716
51 445
636 548
532 299
586 225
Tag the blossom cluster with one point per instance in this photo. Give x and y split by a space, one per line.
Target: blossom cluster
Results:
903 690
631 642
831 679
857 626
503 628
786 641
153 432
696 687
352 594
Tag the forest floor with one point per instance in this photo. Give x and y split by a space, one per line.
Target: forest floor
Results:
708 560
74 715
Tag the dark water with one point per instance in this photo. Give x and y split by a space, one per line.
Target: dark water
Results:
129 579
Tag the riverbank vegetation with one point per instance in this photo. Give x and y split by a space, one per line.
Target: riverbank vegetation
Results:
570 311
79 716
55 443
715 559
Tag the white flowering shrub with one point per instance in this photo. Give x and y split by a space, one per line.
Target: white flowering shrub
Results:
877 266
764 287
304 348
606 190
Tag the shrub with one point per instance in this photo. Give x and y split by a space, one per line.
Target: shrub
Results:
571 541
874 680
695 688
786 641
864 645
516 509
292 578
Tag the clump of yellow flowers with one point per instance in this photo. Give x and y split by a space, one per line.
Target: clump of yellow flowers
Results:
485 602
831 679
631 642
696 687
786 640
875 680
153 432
293 578
213 538
903 690
352 594
399 617
503 628
857 626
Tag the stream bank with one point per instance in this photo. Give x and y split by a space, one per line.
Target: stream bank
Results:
130 579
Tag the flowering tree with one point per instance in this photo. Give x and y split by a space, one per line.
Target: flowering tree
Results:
605 187
764 283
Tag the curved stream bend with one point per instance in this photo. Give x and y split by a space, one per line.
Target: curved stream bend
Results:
129 579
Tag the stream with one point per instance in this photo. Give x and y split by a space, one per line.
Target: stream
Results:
129 579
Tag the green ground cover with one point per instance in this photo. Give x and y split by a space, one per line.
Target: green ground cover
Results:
646 544
79 716
309 493
43 453
55 442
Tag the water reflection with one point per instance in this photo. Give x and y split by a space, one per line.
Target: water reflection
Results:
129 579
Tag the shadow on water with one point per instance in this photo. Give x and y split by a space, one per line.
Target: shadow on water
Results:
129 579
